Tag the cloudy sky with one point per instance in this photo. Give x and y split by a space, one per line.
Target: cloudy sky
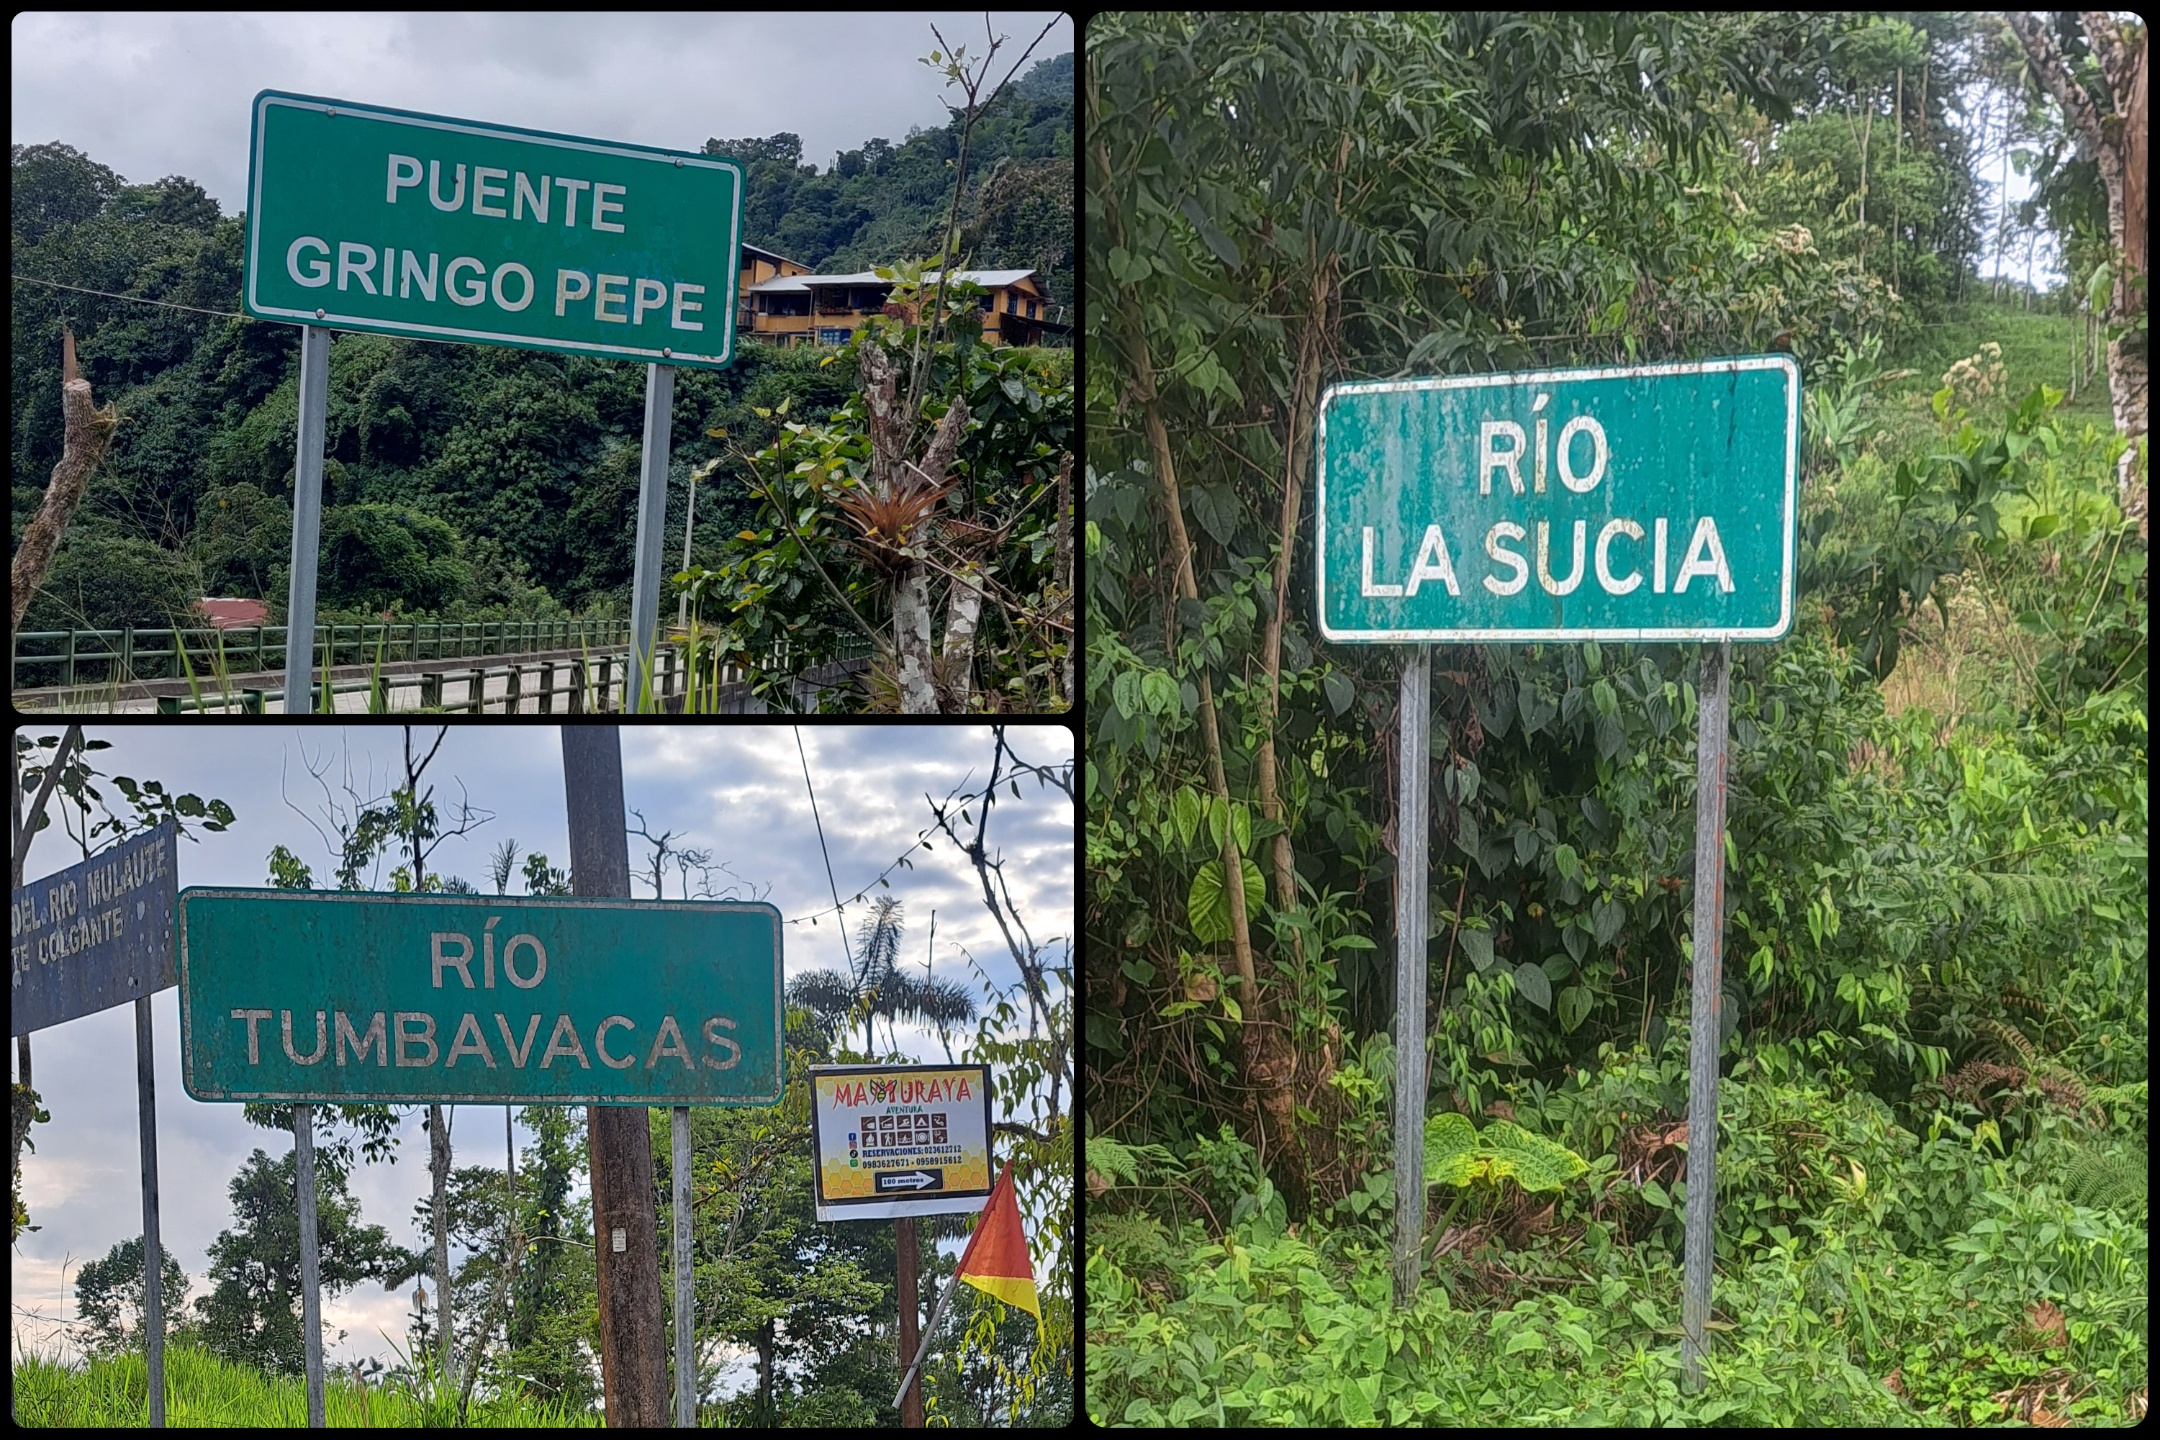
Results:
737 790
168 94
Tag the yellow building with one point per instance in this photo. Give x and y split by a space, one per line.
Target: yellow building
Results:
803 309
759 265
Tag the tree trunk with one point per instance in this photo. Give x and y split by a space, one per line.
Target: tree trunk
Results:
89 431
2113 138
765 1372
911 640
1301 422
1268 1060
962 613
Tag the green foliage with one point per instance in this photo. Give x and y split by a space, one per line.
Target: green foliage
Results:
1456 1153
888 198
529 461
252 1313
202 1388
103 580
1935 953
109 1297
374 555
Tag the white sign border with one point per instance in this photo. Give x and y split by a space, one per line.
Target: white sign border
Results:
1734 364
967 1202
644 354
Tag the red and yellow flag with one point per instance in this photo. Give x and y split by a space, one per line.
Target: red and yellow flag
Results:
996 1259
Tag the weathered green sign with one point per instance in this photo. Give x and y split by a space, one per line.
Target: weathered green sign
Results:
1641 502
361 217
303 995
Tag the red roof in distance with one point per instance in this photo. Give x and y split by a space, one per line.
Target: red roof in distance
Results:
225 614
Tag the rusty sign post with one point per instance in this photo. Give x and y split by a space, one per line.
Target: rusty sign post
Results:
1634 503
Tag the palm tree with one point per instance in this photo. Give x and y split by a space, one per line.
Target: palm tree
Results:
877 987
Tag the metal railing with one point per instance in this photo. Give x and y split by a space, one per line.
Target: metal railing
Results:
589 684
114 656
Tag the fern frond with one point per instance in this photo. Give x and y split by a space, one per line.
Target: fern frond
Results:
2009 1036
1122 1162
2107 1179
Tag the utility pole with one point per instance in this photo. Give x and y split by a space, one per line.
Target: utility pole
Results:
626 1225
911 1411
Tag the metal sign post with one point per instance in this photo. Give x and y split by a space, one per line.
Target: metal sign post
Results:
1412 769
686 1386
153 1248
307 521
1633 503
652 516
1706 1023
310 1261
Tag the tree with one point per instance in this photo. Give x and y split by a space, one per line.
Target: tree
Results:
375 556
554 1308
243 541
109 1297
2100 82
54 185
100 580
877 988
252 1314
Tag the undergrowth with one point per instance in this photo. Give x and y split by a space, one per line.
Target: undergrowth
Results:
1867 1274
205 1389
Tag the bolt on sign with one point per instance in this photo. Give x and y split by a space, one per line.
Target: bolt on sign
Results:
897 1140
1640 502
302 995
95 935
362 217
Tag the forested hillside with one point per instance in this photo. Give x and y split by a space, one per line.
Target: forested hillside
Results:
469 481
1931 1136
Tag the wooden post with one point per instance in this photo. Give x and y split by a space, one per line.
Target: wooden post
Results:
310 1262
153 1249
626 1227
911 1412
1705 1020
1411 771
686 1386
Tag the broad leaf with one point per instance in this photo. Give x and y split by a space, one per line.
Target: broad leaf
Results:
1531 984
1207 908
1477 944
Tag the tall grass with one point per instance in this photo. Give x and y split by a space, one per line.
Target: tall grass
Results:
203 1389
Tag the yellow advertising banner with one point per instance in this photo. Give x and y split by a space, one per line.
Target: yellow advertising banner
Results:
896 1140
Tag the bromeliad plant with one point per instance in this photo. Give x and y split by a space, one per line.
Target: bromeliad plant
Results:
1458 1154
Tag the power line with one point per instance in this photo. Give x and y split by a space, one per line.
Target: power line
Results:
138 299
844 947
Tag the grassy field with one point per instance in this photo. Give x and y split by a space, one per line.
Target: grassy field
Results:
202 1389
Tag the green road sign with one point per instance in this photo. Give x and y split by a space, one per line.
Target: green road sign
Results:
361 217
301 995
1640 502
